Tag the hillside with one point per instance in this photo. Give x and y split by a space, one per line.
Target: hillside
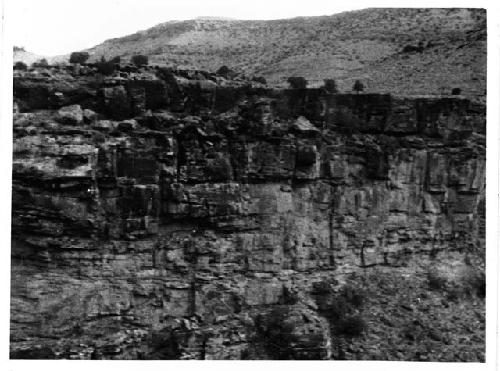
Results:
25 56
22 55
366 44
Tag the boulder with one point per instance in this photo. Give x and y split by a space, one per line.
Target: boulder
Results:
71 115
104 125
303 125
89 115
127 125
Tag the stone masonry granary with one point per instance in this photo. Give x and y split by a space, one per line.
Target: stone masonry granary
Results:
169 214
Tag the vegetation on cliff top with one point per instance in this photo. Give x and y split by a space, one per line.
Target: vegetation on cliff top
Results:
410 51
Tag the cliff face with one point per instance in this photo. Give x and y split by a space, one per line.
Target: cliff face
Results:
185 216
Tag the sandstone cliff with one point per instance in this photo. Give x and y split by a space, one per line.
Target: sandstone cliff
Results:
161 215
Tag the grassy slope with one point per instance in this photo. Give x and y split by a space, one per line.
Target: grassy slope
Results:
408 320
363 44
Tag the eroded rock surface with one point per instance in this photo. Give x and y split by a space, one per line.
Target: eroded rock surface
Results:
166 218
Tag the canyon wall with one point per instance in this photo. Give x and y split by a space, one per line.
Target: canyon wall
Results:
176 216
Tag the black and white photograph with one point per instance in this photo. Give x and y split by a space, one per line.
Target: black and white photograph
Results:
217 180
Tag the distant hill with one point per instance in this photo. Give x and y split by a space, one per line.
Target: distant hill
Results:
444 48
22 55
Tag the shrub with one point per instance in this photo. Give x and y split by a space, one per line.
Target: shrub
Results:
409 49
453 293
165 73
330 86
351 325
41 63
456 91
413 48
164 344
358 86
341 309
412 330
276 332
334 309
226 72
306 156
289 297
116 60
297 82
260 79
105 67
139 60
223 71
435 280
354 295
473 282
321 288
78 57
469 282
479 285
20 66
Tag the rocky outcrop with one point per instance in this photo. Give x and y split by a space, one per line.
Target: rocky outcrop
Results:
173 219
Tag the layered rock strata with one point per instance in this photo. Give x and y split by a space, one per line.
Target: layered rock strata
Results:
170 215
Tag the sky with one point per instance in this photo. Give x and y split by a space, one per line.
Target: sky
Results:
54 27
